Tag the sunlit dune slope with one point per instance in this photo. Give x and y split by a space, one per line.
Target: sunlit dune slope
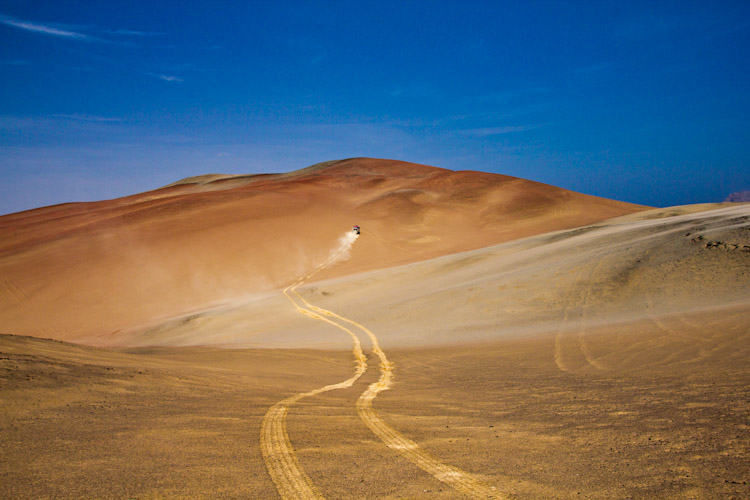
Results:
86 271
659 272
605 276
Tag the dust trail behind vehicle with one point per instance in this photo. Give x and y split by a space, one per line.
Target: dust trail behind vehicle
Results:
291 481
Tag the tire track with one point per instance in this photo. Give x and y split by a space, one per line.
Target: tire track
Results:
291 481
583 345
579 345
454 477
691 347
559 353
278 453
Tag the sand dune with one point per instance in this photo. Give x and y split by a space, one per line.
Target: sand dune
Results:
615 272
607 361
90 272
487 337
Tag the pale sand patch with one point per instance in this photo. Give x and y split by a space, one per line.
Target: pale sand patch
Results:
556 283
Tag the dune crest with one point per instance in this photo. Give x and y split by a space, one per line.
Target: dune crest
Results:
93 272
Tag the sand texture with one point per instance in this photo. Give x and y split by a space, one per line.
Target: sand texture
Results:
90 271
484 337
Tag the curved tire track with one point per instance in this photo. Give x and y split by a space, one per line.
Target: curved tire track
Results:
454 477
291 481
577 346
278 453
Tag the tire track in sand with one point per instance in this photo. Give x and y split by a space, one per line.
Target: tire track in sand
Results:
585 302
560 356
454 477
281 462
291 481
577 313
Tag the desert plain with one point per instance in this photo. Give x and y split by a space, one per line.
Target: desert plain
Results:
483 337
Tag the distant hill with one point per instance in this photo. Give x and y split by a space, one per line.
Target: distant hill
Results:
93 272
739 196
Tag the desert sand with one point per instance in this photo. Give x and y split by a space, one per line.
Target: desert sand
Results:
484 337
96 271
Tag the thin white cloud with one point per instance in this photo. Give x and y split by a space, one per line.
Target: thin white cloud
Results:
490 131
62 31
169 78
88 118
133 33
44 29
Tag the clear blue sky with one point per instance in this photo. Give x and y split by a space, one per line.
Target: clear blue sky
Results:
646 102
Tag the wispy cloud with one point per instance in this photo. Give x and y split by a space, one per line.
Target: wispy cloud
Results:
97 35
134 33
73 33
166 77
169 78
88 118
44 29
490 131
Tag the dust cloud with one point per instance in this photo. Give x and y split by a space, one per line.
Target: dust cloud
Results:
342 251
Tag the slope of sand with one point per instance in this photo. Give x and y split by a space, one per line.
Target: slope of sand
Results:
92 272
611 272
614 272
602 361
79 422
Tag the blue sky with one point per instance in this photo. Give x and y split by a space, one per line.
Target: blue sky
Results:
639 101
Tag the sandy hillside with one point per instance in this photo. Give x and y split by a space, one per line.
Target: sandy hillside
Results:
92 272
643 267
602 361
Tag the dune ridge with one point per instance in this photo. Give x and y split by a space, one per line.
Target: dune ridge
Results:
94 272
606 359
608 275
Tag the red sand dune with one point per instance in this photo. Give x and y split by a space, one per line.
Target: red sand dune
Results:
86 271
